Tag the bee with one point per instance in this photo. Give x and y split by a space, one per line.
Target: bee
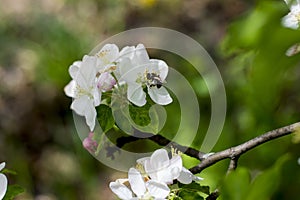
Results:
154 80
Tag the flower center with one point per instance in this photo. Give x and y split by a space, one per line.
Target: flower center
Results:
82 92
103 56
298 17
153 79
102 53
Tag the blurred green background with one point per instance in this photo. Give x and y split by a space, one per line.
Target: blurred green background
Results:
40 39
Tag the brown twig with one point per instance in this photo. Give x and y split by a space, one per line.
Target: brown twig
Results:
234 153
233 164
162 141
213 196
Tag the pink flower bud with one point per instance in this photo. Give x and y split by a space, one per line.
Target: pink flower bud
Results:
106 82
90 144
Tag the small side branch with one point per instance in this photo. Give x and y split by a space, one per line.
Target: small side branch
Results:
233 164
235 152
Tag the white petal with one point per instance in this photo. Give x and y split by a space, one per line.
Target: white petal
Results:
96 96
3 185
143 160
150 170
2 165
135 94
290 21
130 71
157 189
84 106
164 176
160 95
161 68
293 4
70 89
175 166
159 159
127 52
141 55
124 66
121 190
186 177
87 73
109 52
74 68
136 182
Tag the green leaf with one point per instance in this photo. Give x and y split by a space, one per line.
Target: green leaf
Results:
8 171
146 119
106 96
13 191
140 115
122 120
266 183
251 30
106 121
204 189
236 184
105 117
189 195
196 187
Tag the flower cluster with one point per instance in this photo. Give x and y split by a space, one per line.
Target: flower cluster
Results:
3 182
151 177
110 68
292 19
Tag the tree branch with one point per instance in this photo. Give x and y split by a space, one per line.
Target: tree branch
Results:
162 141
235 152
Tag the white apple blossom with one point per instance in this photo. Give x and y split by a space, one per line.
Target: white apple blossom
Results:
110 67
83 88
162 169
292 19
3 182
137 70
140 189
107 57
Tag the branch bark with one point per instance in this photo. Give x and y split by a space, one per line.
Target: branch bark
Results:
234 153
233 164
162 141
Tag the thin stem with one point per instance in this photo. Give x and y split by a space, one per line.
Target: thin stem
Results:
117 81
